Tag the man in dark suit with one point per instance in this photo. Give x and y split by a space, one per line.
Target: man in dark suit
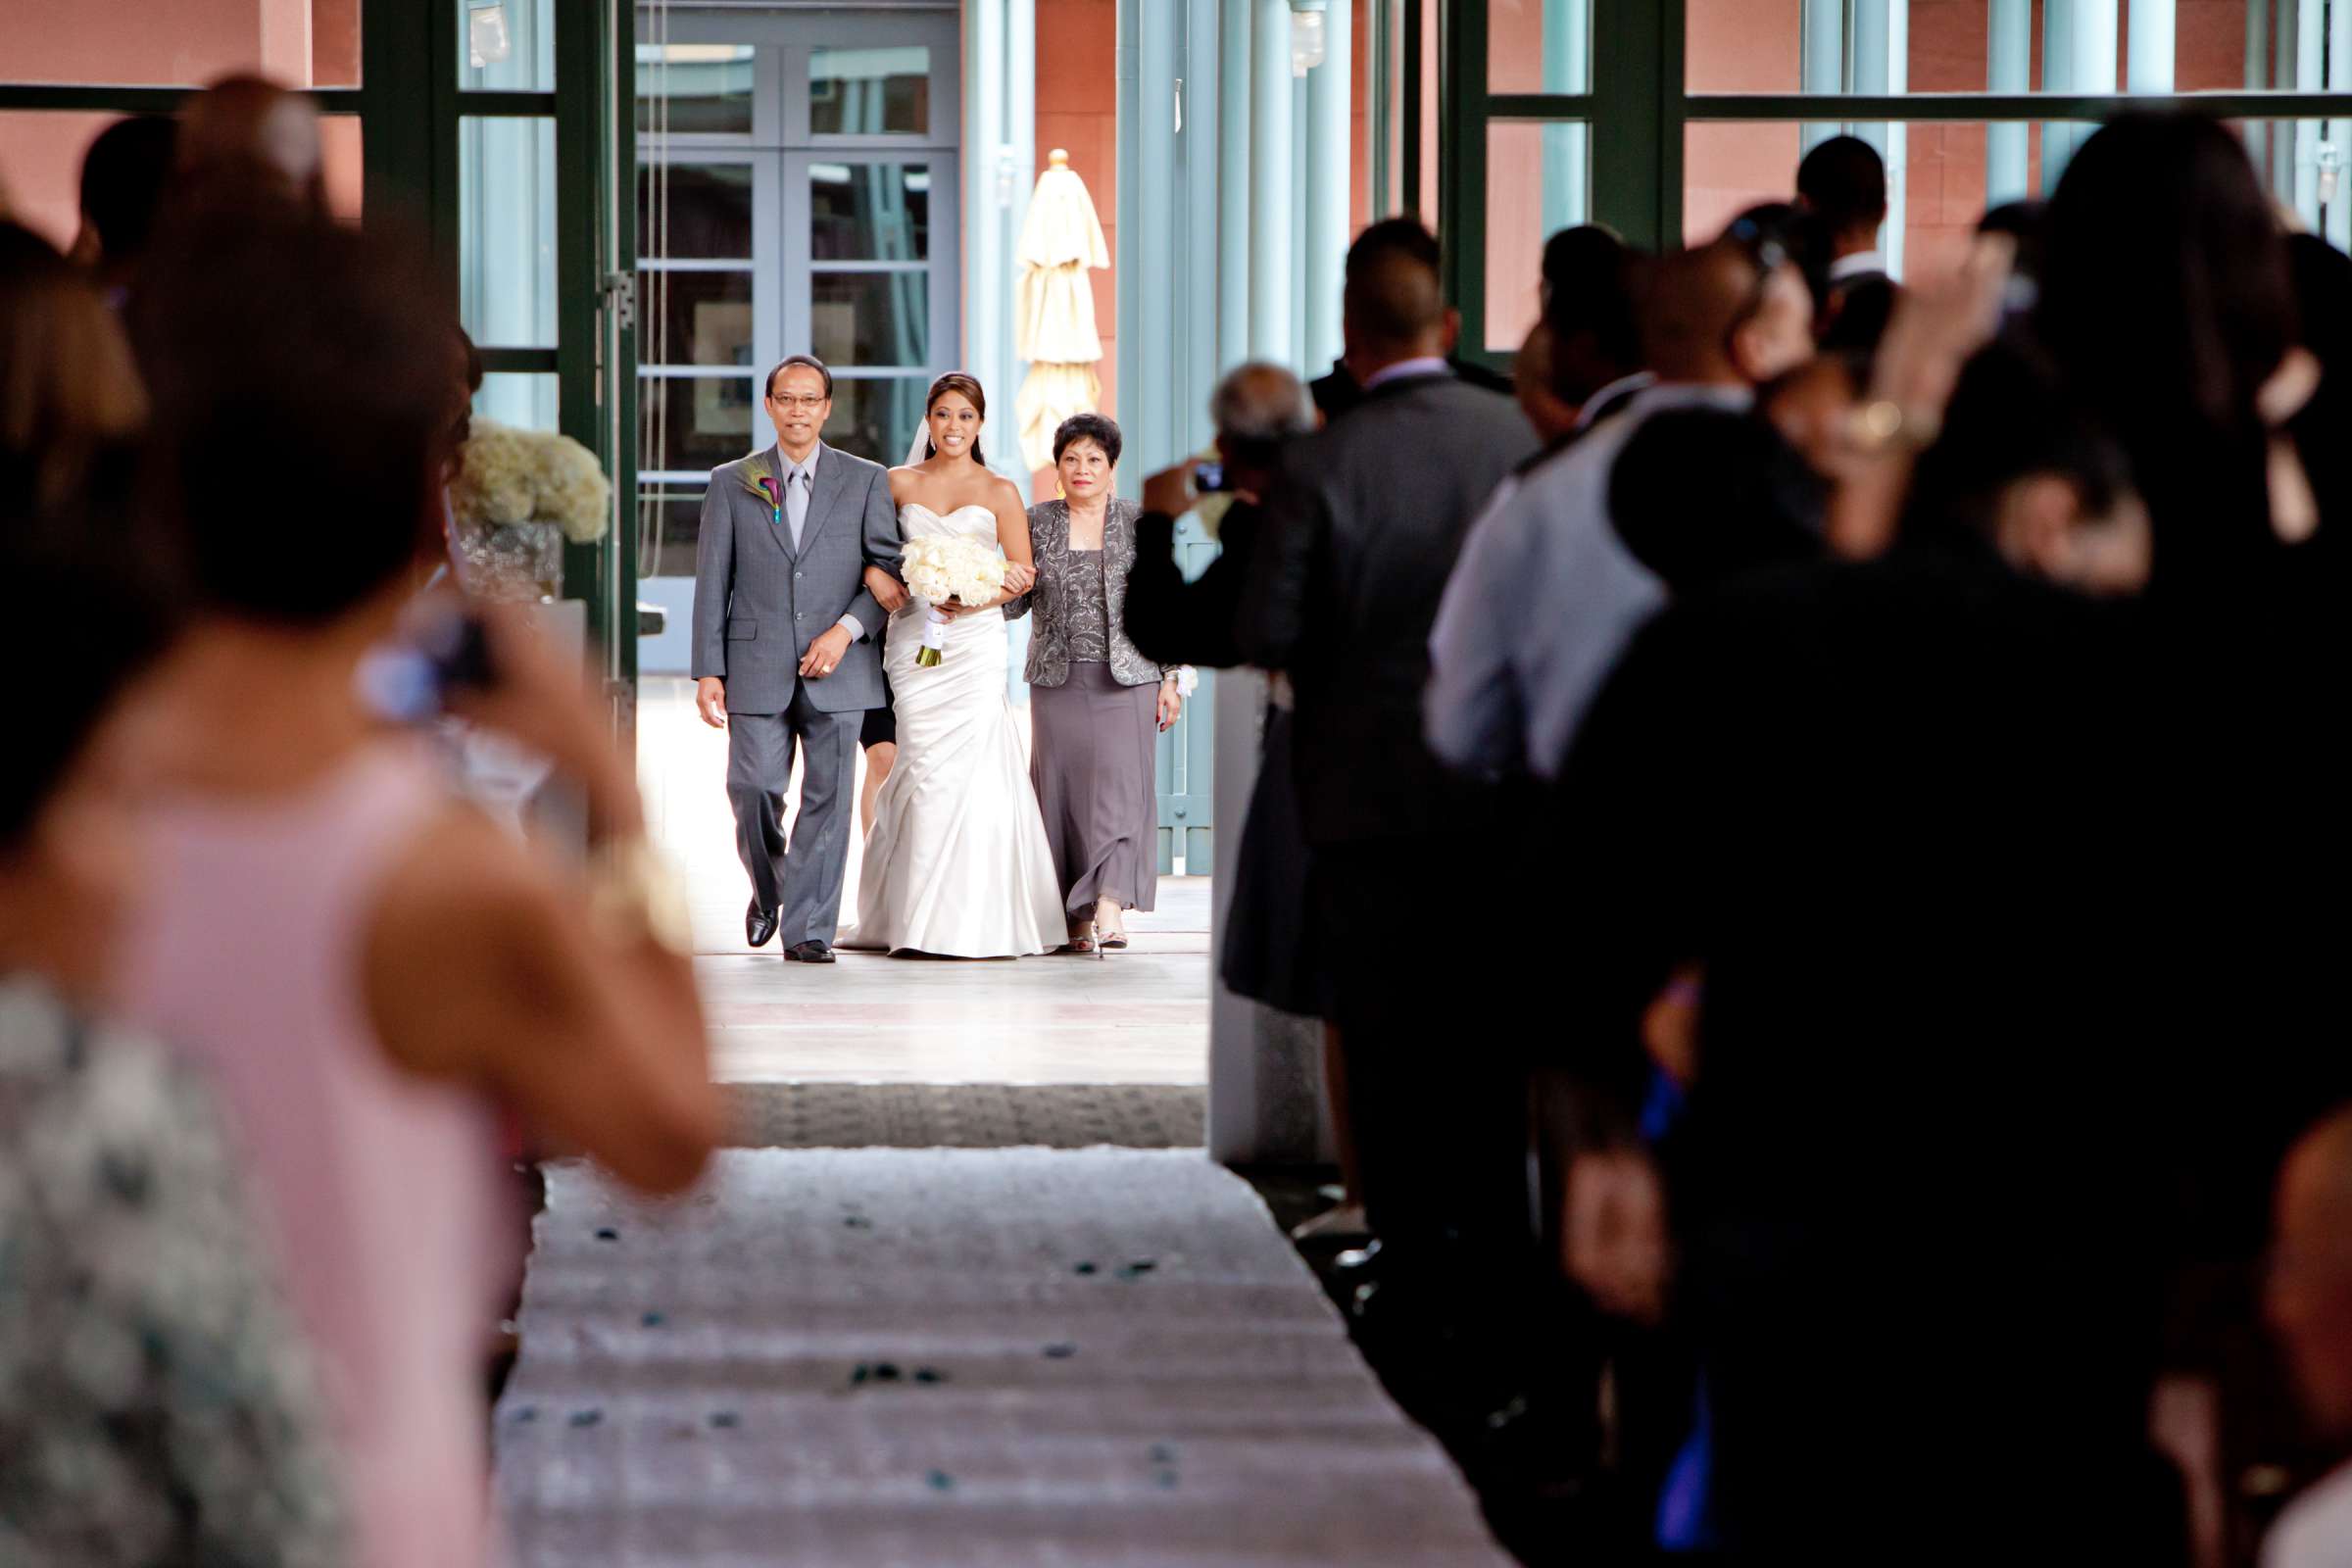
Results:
1360 535
784 649
1842 183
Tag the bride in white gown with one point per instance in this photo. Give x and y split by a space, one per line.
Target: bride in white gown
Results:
956 863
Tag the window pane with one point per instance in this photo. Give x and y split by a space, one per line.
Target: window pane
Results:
869 212
694 317
1536 186
506 45
506 231
170 43
1539 45
696 88
876 418
524 399
869 92
701 210
670 524
871 318
1881 46
694 423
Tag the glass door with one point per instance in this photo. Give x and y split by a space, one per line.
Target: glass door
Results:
867 289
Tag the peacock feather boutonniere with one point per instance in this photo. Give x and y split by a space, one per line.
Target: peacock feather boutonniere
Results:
763 484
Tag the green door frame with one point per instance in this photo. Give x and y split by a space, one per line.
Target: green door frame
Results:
409 106
1640 108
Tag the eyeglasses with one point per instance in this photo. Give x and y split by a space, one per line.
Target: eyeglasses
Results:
790 400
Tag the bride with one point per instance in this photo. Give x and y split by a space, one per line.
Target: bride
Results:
956 862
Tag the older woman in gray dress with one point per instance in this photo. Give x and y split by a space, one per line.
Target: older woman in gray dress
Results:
1095 703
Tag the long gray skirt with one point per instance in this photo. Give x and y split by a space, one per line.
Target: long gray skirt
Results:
1090 759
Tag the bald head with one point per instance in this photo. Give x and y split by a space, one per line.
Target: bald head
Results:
1260 404
248 129
1719 315
1693 301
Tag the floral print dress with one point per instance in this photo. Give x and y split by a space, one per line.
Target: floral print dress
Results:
156 1401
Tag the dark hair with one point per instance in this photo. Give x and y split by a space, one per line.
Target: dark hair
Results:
301 374
1393 290
969 389
1700 495
2023 223
1589 294
809 361
2165 302
2012 417
1408 237
122 178
1844 181
97 598
1094 427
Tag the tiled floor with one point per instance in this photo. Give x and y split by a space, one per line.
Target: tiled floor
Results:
1138 1017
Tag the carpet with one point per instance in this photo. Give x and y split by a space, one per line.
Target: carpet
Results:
824 1115
948 1358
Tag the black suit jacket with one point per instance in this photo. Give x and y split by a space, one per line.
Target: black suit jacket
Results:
1342 586
1197 622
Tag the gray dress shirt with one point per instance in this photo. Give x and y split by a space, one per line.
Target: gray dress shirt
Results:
1544 599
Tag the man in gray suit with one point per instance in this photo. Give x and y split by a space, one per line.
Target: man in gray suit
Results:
786 650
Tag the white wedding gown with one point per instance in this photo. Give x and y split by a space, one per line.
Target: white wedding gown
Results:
956 863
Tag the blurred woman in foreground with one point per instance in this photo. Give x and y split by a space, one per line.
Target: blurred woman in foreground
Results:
364 962
156 1403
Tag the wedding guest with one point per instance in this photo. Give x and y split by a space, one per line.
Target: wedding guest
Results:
1258 409
363 965
1344 387
1842 183
124 175
1595 328
248 134
1834 1204
156 1402
1095 703
1367 517
2310 1309
1534 375
1545 594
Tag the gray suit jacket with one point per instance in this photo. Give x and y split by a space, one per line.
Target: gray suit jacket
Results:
758 603
1050 547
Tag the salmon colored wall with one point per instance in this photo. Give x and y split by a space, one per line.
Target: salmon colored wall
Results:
304 43
1753 46
1078 110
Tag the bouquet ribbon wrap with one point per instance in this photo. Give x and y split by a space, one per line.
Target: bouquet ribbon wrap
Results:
935 637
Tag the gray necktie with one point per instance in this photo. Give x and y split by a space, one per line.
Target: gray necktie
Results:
796 502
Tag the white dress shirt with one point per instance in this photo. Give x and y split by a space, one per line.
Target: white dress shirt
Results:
1540 603
803 474
2315 1529
1862 263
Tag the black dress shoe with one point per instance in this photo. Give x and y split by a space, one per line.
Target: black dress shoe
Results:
759 924
809 952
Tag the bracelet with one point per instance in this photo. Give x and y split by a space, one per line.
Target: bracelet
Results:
633 891
1884 425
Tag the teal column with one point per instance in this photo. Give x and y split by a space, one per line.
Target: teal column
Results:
1301 133
1820 63
2311 35
2079 53
1882 67
2335 195
1234 109
1017 178
2009 67
1567 68
2148 68
2258 57
1327 189
987 282
1271 277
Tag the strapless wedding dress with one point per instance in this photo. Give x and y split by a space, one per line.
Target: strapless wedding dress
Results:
956 863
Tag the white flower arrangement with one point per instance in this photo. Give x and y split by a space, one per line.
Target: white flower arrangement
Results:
510 476
939 567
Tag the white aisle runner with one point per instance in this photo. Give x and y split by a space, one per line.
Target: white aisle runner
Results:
895 1358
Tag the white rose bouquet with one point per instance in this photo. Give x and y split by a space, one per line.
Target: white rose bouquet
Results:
939 567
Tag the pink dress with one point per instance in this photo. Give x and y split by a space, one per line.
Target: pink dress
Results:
383 1186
